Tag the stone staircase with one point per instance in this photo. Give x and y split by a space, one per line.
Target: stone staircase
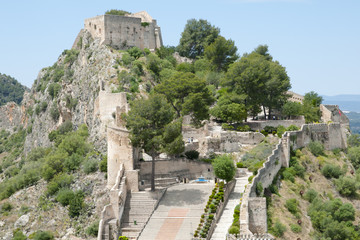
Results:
226 218
138 208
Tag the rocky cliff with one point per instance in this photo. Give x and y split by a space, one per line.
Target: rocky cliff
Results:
67 91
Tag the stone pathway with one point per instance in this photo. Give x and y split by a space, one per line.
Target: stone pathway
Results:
178 213
227 217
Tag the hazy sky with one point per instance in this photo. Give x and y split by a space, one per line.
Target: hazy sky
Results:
318 41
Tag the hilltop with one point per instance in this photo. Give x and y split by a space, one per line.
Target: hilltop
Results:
10 90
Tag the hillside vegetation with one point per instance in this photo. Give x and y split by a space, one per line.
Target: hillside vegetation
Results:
316 198
10 90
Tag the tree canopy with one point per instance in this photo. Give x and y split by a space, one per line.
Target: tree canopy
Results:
311 106
196 36
263 81
188 95
152 128
221 53
224 167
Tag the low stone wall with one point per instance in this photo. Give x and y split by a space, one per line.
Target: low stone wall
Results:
115 209
260 125
176 168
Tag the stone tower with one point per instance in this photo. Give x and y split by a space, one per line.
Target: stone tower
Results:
122 32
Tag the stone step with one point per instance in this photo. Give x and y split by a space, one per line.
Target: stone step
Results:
139 211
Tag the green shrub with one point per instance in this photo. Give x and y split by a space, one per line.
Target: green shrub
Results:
278 229
6 207
346 186
73 162
64 196
92 230
295 228
135 52
292 128
289 174
310 195
123 238
43 235
346 212
316 148
59 181
280 130
185 67
331 171
240 165
58 74
70 102
270 129
103 164
259 189
127 59
116 12
292 205
251 178
226 126
235 230
71 56
299 170
90 166
244 128
43 106
54 89
76 204
54 111
18 235
192 154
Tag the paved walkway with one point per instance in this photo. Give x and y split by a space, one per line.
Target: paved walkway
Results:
178 213
227 216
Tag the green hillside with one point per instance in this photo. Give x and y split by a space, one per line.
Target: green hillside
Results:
10 90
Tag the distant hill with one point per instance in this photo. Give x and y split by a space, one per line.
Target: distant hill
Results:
10 90
346 102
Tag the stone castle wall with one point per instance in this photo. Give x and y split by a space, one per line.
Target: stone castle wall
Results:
124 31
260 125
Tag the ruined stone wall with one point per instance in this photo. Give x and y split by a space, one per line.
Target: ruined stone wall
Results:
260 125
228 141
257 215
176 168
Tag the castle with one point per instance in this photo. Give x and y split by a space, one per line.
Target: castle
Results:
122 32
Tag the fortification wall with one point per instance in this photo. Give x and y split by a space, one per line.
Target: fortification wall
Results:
120 152
176 168
260 125
96 27
331 135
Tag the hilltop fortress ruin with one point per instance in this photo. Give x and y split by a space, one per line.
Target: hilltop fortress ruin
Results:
132 30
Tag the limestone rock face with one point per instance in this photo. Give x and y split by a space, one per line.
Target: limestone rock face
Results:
90 72
22 221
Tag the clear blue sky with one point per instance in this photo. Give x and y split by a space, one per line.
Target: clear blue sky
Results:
318 41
